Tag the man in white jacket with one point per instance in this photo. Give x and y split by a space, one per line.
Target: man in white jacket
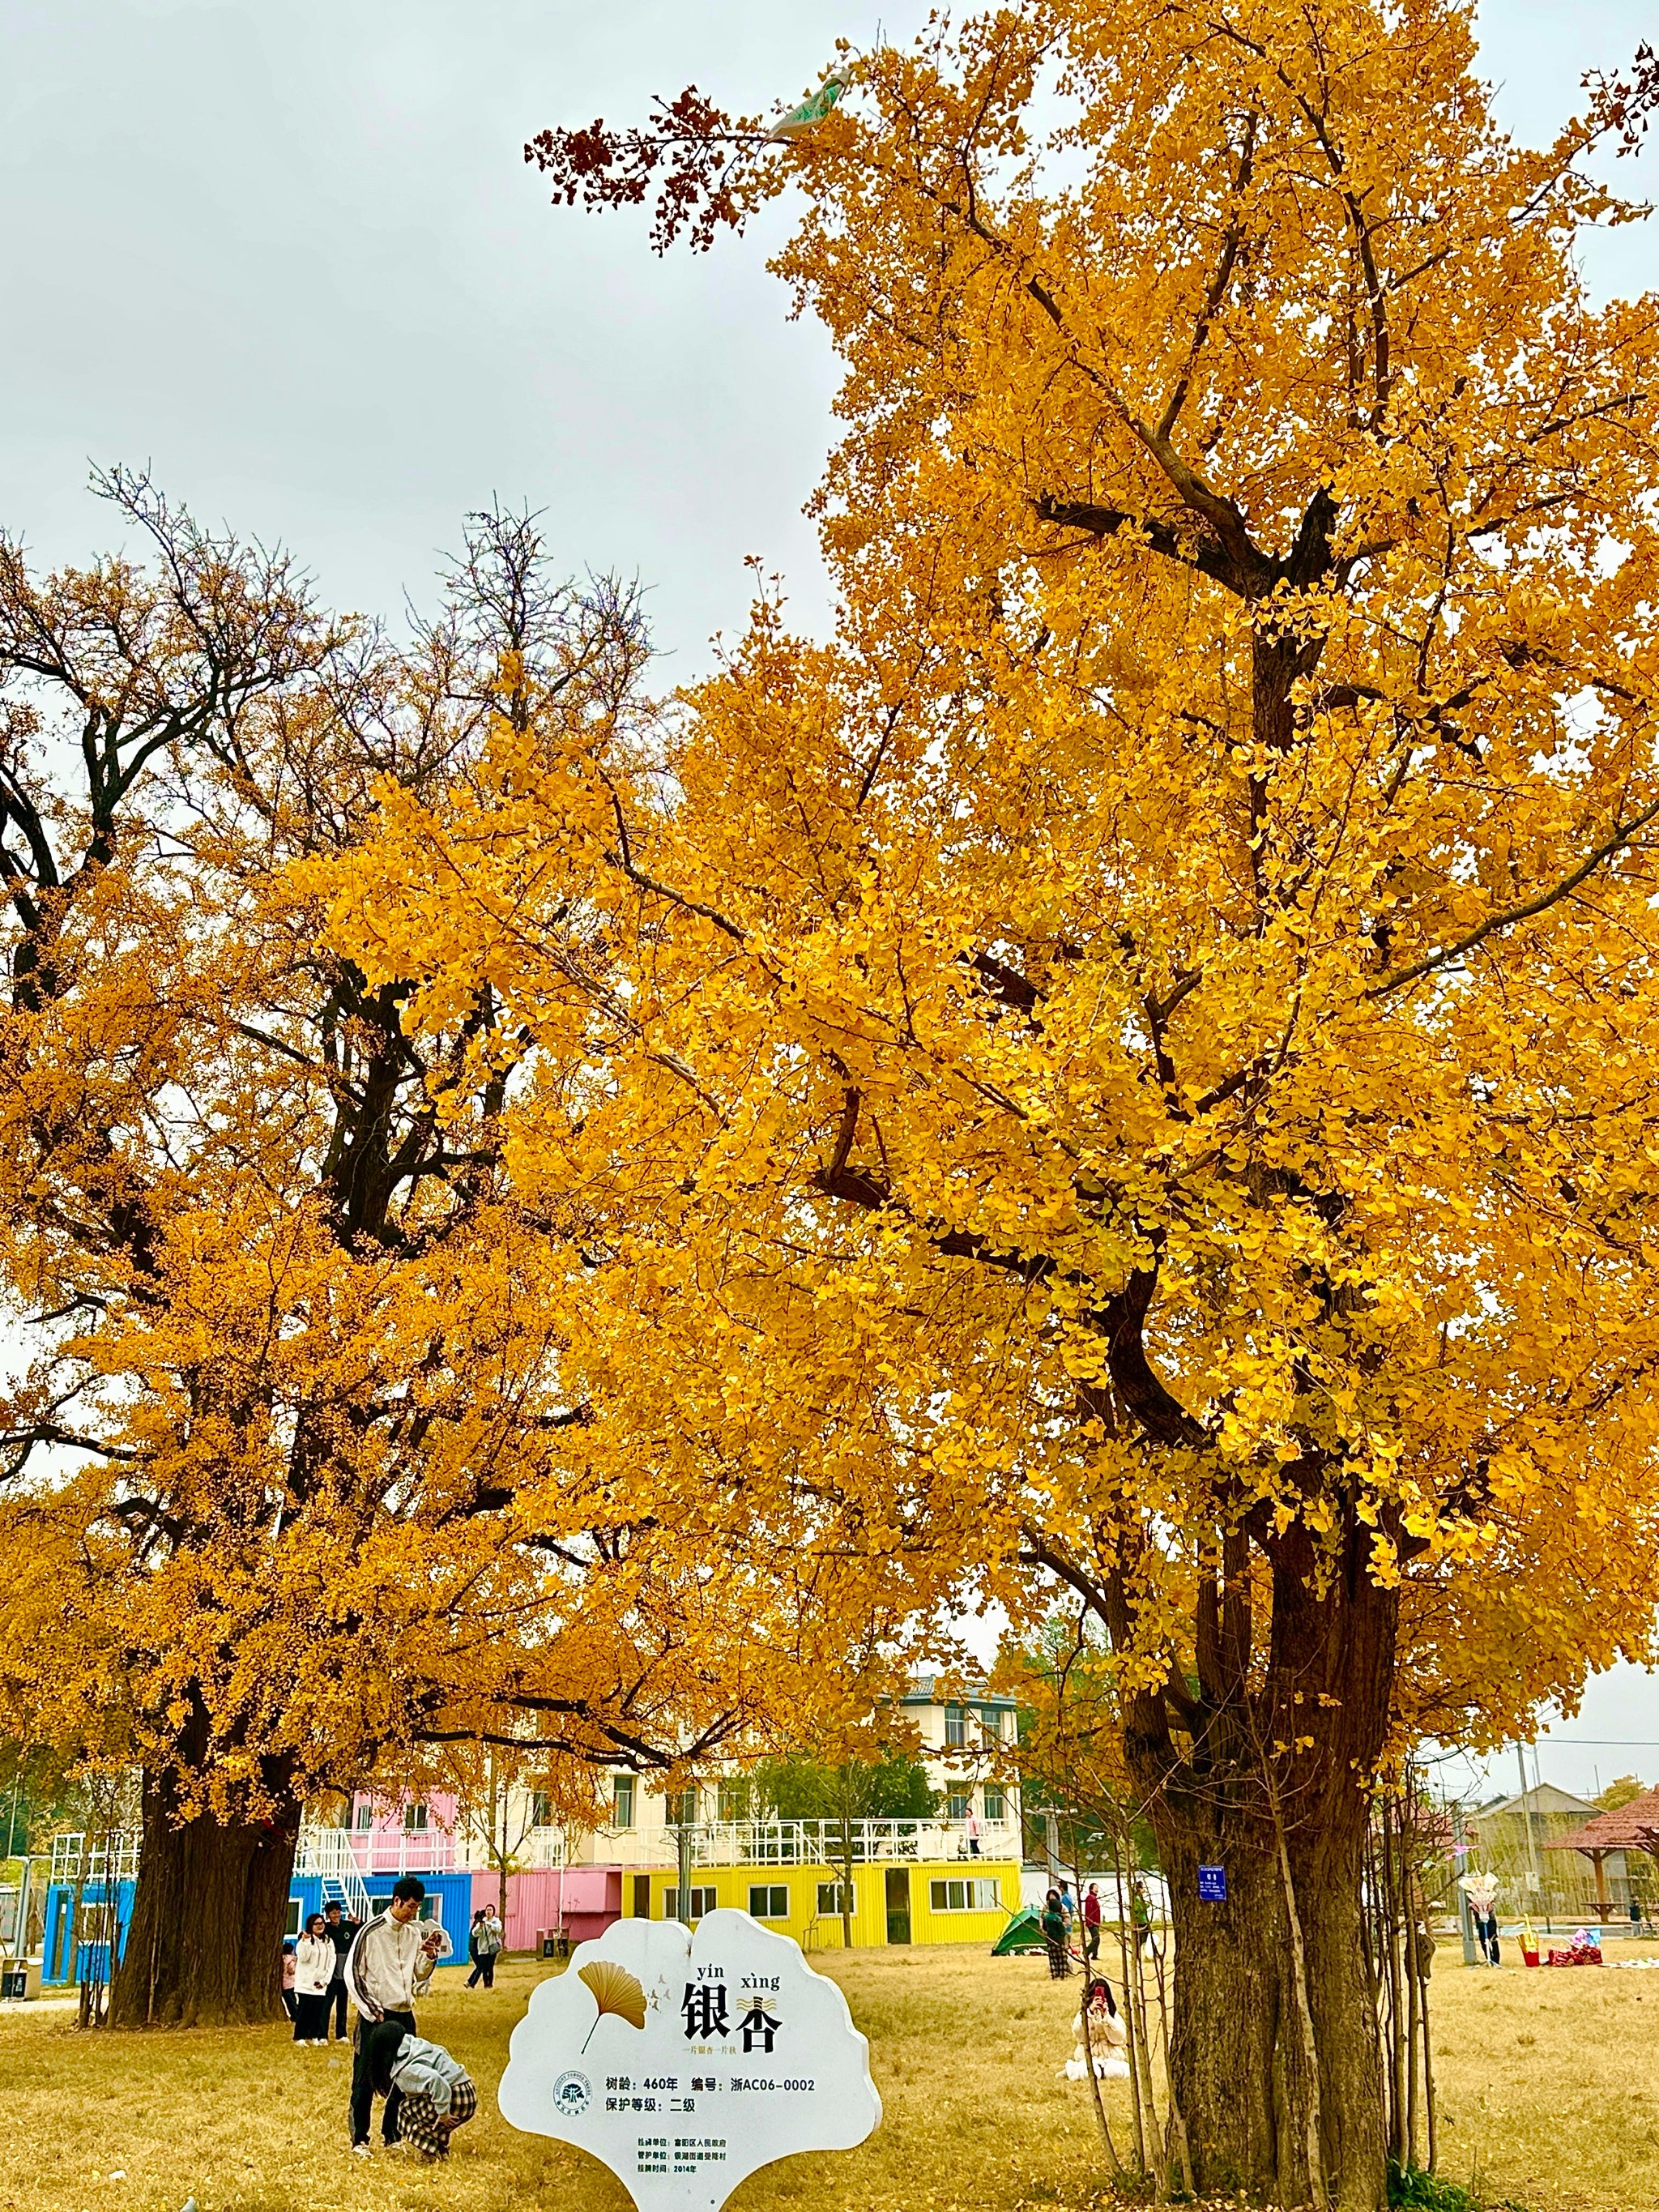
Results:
389 1965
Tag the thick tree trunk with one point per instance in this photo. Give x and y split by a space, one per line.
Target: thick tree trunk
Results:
1293 1760
203 1948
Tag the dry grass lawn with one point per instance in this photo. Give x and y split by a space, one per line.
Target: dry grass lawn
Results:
1548 2080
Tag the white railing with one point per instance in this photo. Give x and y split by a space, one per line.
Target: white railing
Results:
377 1853
89 1858
802 1843
355 1858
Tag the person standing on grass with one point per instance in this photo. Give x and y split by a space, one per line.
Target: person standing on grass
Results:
390 1965
1052 1924
290 1969
1091 1923
313 1960
341 1932
482 1945
1140 1914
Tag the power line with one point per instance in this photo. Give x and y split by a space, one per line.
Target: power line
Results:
1606 1742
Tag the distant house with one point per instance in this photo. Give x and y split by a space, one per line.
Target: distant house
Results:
1502 1821
1621 1848
1513 1836
953 1877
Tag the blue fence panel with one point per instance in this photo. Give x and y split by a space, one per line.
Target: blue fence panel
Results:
67 1955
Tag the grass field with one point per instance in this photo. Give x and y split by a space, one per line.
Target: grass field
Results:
1550 2088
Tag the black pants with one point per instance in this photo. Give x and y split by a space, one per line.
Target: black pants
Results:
484 1968
311 2018
362 2086
290 2004
1486 1930
1091 1939
337 1997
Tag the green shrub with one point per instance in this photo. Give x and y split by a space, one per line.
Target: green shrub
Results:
1409 2187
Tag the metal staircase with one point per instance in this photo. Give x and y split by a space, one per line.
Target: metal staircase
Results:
325 1853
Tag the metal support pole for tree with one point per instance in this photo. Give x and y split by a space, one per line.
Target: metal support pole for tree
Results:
683 1845
1465 1914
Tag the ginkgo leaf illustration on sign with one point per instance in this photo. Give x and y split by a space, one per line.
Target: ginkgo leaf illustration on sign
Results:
615 1991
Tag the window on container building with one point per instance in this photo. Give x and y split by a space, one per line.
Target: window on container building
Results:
972 1896
732 1801
996 1805
956 1727
700 1900
956 1805
682 1811
768 1901
541 1808
834 1898
365 1816
622 1800
415 1817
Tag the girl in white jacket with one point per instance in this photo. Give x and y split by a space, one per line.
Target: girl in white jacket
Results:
1107 2038
313 1970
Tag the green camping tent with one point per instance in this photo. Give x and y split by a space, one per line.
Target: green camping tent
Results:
1022 1933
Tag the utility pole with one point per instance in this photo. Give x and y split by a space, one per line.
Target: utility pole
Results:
1534 1880
683 1843
1538 1793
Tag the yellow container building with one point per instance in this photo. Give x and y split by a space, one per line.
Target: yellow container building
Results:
909 1901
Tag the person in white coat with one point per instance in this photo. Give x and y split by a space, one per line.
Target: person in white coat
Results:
1100 2034
313 1970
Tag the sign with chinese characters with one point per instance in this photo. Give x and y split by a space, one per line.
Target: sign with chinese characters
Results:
687 2058
1212 1885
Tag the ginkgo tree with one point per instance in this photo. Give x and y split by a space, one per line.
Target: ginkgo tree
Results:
1136 1069
306 1485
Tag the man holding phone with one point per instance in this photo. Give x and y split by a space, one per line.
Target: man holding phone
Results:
390 1965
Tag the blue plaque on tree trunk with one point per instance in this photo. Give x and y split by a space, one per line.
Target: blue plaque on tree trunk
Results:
1212 1885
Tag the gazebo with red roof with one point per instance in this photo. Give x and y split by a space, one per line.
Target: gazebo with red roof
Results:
1632 1827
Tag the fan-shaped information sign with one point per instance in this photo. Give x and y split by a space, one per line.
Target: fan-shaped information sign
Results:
686 2059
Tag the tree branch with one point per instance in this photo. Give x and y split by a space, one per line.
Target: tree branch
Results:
1524 912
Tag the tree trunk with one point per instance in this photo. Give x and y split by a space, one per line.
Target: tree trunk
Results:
203 1946
1239 2050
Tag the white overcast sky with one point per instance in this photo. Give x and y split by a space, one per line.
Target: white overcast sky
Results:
287 252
